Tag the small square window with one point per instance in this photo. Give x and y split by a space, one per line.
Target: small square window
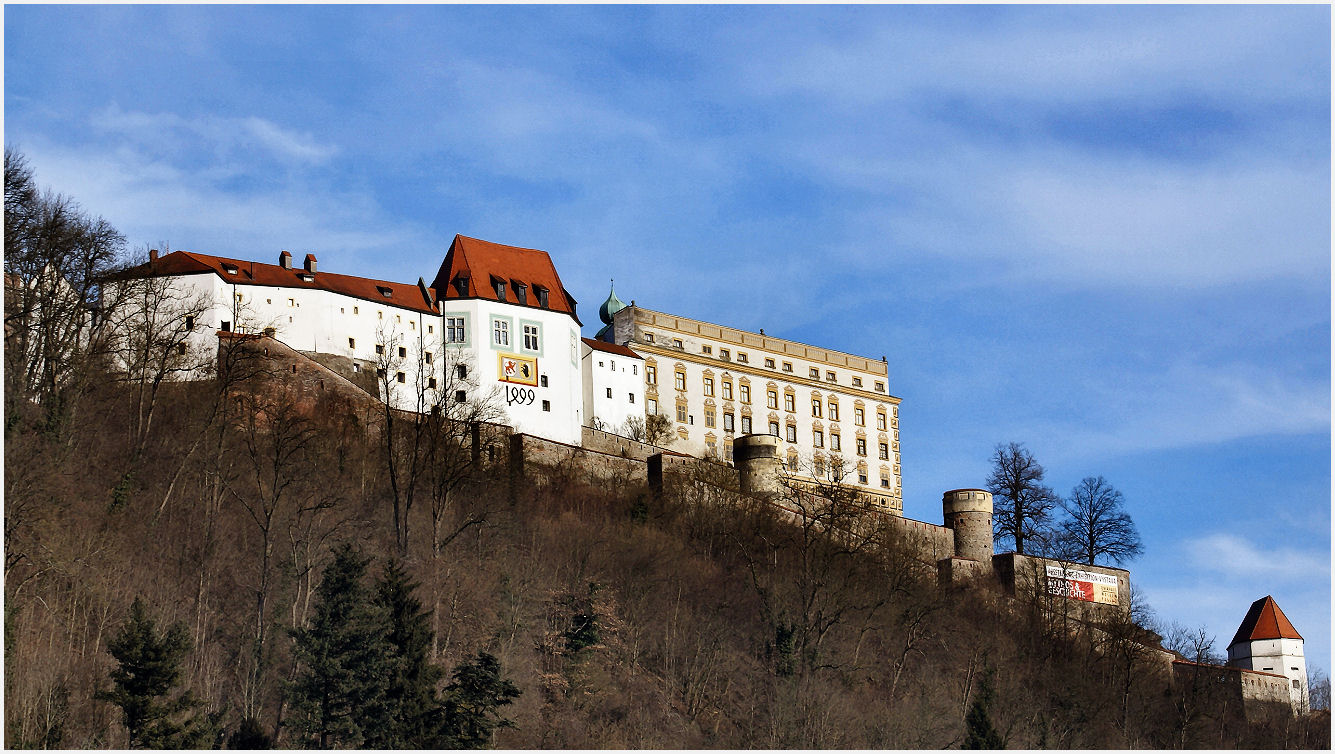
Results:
460 396
609 392
885 482
379 348
648 337
631 397
706 349
427 354
857 382
460 371
880 387
769 363
403 352
724 354
829 377
356 310
546 405
189 322
814 373
676 342
400 377
543 380
787 366
352 342
741 357
431 382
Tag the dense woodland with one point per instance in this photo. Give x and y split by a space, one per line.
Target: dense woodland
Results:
225 563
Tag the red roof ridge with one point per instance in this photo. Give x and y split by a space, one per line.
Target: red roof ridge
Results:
487 262
602 345
1265 621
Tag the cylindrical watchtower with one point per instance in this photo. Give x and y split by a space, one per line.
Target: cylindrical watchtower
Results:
757 460
969 514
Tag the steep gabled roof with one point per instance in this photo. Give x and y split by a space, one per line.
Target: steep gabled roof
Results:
473 266
599 345
402 295
1264 621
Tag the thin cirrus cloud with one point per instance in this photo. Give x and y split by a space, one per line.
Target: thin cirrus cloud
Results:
220 134
1234 556
151 199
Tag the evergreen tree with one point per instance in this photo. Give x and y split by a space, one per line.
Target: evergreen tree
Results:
979 732
338 696
412 709
472 700
149 668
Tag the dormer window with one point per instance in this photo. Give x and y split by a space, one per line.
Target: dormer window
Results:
499 285
230 269
542 295
306 276
461 285
385 291
521 292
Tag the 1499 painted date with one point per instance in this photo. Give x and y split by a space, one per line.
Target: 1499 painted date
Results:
519 396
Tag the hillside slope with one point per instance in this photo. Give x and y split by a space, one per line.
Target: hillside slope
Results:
623 621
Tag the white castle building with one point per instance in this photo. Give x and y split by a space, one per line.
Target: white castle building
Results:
500 316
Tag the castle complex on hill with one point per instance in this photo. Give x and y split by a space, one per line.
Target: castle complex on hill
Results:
501 315
496 325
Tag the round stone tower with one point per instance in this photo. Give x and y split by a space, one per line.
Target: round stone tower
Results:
757 460
969 514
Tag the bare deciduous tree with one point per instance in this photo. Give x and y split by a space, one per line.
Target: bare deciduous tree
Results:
55 258
1096 524
1022 501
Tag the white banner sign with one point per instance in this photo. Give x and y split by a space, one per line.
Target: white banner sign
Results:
1086 586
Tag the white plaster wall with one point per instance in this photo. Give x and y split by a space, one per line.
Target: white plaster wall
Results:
557 358
623 376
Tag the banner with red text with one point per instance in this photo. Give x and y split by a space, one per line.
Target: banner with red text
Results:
1085 586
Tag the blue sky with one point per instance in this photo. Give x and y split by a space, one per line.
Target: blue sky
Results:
1100 231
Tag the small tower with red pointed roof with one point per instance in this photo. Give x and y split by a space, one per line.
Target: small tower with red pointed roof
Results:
1266 641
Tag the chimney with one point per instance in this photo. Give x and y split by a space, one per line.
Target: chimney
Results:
152 255
310 263
285 260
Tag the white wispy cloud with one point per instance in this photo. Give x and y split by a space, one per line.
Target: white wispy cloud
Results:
1230 555
151 199
216 133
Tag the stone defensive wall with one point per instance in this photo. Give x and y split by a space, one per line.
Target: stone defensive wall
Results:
302 380
1088 592
960 549
606 442
530 454
1260 694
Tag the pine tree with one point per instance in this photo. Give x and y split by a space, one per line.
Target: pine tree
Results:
412 709
338 696
149 668
979 732
472 700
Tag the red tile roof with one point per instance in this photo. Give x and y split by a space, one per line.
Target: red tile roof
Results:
602 345
1264 621
475 265
403 295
